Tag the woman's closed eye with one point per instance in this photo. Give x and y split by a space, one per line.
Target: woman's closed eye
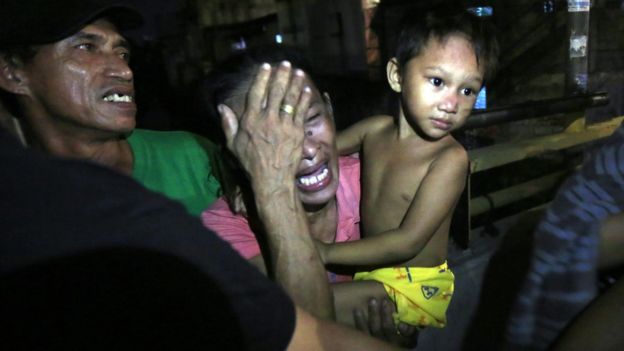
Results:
313 118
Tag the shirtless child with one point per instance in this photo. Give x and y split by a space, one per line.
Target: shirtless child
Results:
413 170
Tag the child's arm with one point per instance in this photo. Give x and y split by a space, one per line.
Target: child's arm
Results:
351 139
433 203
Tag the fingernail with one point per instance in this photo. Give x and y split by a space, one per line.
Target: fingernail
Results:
307 89
220 108
265 66
285 63
299 73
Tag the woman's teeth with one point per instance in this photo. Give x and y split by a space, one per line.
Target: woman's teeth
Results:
313 179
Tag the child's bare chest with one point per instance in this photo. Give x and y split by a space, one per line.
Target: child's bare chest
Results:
391 176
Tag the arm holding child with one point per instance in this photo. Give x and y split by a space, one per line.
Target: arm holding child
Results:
430 208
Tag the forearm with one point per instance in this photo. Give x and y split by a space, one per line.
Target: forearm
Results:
428 215
312 334
348 149
349 296
267 141
612 242
350 140
295 262
385 248
599 326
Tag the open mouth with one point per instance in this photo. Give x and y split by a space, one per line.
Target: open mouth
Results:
316 180
116 97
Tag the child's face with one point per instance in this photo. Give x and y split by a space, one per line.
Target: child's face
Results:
439 87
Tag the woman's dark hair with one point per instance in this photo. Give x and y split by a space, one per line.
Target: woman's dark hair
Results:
230 78
233 76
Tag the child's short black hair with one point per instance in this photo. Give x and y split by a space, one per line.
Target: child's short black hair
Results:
419 25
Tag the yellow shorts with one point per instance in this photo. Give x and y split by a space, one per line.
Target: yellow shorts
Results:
421 294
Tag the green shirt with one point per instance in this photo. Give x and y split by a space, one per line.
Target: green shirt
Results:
177 165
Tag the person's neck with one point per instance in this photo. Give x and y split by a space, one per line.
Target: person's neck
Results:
406 131
113 151
323 221
403 127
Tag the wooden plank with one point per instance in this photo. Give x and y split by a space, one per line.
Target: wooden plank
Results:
501 154
496 199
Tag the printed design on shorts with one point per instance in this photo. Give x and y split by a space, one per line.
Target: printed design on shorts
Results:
400 275
429 291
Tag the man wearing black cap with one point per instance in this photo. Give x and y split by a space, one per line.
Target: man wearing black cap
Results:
88 258
64 73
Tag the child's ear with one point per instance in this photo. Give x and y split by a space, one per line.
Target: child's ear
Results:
12 77
393 74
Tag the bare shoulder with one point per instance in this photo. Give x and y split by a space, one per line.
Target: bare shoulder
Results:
354 137
451 153
376 123
381 120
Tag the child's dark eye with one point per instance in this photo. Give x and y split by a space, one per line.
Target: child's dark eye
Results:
467 91
436 81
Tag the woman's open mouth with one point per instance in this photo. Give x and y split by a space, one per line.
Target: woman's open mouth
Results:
316 180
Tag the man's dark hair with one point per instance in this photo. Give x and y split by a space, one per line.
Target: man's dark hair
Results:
420 25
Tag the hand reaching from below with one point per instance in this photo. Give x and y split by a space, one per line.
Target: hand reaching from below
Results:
380 323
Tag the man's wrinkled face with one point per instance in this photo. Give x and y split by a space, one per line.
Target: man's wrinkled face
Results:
83 83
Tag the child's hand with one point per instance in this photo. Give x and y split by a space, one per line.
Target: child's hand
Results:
379 322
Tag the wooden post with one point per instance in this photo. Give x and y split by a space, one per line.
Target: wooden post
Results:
578 41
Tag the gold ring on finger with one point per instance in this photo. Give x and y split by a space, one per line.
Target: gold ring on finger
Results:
288 109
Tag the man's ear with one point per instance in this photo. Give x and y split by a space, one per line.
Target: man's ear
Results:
12 77
393 74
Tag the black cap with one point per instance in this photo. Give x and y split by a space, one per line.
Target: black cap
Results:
35 22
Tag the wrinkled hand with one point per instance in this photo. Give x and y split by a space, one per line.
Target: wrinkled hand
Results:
380 323
266 139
